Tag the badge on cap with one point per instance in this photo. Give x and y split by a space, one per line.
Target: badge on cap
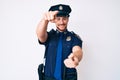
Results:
68 38
60 8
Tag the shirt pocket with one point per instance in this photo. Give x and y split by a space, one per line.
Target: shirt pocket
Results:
68 44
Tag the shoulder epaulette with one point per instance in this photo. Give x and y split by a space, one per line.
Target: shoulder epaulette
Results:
52 31
76 35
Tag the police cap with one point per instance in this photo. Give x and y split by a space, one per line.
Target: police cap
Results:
64 10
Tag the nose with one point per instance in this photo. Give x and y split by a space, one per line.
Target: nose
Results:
61 21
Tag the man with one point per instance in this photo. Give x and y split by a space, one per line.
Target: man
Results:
63 49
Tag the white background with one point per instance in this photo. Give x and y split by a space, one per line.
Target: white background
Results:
96 21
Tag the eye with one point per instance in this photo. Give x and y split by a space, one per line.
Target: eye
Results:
64 18
57 18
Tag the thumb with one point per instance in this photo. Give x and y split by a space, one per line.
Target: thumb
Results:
71 56
74 59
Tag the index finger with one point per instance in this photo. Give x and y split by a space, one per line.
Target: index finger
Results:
71 55
55 12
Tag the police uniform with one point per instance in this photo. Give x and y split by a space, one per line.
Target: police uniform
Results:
69 40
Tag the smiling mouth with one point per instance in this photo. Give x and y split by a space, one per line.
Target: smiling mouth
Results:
62 25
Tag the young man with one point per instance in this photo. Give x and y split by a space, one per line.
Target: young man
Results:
63 48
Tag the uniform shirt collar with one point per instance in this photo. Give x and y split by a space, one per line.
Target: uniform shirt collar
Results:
65 32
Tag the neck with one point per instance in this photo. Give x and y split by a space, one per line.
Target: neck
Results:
61 30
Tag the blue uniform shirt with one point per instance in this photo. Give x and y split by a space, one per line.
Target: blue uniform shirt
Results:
70 39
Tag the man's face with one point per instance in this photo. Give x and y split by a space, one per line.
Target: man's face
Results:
61 23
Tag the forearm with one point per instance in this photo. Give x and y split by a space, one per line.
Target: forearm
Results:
42 26
41 30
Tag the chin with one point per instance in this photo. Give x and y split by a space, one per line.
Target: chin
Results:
62 30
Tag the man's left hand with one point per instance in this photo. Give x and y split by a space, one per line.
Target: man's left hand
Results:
72 61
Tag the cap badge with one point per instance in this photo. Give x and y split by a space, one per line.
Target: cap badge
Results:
68 38
60 8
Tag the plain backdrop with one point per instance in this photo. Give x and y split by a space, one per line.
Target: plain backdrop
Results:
97 22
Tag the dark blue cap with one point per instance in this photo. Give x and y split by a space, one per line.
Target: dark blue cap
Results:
64 10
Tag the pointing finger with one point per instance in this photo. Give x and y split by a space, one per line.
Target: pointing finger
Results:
55 12
71 55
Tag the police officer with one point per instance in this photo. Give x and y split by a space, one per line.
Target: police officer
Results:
61 57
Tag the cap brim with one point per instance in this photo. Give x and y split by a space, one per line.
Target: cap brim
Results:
61 13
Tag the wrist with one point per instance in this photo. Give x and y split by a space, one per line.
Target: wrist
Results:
43 20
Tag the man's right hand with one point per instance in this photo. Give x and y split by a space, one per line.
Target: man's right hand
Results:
50 16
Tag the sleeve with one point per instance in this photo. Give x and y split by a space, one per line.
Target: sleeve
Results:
44 43
50 33
41 42
77 41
